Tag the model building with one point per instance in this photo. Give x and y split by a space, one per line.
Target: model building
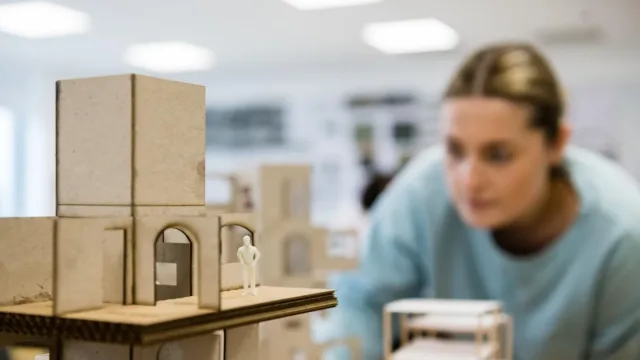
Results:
421 320
302 253
86 283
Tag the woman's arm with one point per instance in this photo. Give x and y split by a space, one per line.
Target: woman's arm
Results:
391 267
617 324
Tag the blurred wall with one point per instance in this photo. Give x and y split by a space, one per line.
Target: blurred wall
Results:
30 97
603 91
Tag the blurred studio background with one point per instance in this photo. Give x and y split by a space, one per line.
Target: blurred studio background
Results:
351 87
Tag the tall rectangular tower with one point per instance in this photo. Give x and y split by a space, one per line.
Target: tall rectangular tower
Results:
130 145
285 194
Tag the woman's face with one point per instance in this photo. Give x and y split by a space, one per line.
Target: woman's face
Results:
497 163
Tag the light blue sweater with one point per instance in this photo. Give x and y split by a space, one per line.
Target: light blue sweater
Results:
578 299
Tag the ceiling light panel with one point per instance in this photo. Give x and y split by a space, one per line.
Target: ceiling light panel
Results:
327 4
410 36
169 57
42 19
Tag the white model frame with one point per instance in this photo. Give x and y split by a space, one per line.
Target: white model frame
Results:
429 316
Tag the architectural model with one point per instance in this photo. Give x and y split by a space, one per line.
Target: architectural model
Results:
304 257
88 283
421 320
281 194
302 252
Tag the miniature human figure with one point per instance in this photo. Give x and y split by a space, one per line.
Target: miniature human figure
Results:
248 256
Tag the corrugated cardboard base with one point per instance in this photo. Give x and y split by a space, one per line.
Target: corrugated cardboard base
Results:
168 320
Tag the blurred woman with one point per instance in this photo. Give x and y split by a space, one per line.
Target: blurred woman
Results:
507 210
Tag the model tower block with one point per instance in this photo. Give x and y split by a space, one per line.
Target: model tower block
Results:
130 165
302 251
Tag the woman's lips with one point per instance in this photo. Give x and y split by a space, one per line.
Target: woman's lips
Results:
479 204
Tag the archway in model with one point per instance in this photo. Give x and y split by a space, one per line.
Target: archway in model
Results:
231 239
173 265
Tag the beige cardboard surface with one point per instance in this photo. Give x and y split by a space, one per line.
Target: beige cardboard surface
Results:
203 347
203 234
170 309
242 343
94 141
26 260
284 192
78 265
168 115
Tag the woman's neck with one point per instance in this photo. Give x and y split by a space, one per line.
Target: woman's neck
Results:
548 222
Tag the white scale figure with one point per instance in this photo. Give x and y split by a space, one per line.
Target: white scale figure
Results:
248 256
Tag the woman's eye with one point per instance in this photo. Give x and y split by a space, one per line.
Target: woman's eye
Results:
454 151
498 155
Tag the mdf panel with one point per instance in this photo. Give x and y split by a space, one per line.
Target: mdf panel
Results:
169 144
78 265
93 141
287 190
26 265
242 343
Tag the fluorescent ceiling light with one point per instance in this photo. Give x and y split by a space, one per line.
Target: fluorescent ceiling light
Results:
410 36
42 19
326 4
169 57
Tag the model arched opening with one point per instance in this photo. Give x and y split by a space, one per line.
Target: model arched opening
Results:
231 239
173 265
297 256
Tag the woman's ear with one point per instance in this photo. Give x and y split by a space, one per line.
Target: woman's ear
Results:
561 143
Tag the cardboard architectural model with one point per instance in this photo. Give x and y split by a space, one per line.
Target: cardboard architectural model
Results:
87 283
299 252
421 320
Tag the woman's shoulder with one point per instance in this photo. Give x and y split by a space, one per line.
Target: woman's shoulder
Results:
606 189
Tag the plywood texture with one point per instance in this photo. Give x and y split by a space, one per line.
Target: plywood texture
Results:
117 138
168 320
26 260
77 282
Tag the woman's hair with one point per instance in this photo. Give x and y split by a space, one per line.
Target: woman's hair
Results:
376 185
515 72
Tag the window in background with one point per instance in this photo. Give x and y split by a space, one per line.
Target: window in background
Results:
7 163
248 127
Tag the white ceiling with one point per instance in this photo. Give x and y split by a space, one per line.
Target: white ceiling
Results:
269 34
